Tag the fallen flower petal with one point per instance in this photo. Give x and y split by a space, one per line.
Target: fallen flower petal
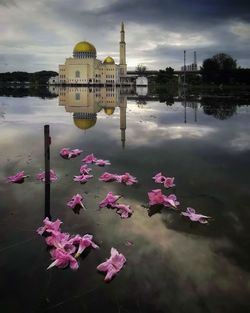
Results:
101 162
49 226
84 169
18 178
83 178
76 152
89 159
63 259
112 265
156 197
83 242
171 201
108 177
169 182
110 200
126 179
76 201
123 210
60 241
67 153
190 213
161 179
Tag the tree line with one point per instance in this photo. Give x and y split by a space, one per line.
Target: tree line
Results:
219 69
223 69
41 77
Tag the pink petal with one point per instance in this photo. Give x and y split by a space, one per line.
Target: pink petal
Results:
103 267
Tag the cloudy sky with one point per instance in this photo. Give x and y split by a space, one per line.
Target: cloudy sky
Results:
39 34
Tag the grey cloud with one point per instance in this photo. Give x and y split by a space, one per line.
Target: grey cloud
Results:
157 32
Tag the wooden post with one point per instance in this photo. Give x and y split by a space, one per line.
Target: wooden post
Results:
184 78
47 171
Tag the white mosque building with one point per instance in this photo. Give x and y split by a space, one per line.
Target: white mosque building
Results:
85 69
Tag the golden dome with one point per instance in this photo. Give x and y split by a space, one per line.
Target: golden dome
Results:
84 123
84 46
109 60
109 111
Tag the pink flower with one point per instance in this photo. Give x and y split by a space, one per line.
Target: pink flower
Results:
107 177
171 201
84 169
126 179
159 178
83 178
110 200
190 212
49 226
156 197
112 265
63 259
101 162
76 201
76 152
124 210
18 178
89 158
83 242
60 241
167 181
41 176
67 153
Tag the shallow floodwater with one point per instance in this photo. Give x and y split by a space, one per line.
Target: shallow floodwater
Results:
173 265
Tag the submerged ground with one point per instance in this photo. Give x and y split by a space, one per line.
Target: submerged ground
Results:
173 265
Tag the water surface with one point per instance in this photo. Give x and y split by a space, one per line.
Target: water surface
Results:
173 264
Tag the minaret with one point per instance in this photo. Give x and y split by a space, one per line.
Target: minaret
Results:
123 108
123 65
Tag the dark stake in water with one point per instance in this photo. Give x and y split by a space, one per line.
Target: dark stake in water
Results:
173 264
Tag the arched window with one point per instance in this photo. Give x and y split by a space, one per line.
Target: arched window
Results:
77 74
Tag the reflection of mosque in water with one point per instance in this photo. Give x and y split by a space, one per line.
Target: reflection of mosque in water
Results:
85 103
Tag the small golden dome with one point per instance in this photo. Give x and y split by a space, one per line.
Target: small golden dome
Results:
84 46
109 111
109 60
84 123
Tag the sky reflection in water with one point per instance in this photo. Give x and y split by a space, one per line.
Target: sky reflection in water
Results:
173 265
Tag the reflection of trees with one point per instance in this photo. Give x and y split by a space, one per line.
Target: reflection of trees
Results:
218 108
141 101
42 92
166 98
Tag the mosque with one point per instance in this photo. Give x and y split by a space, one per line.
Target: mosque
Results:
85 69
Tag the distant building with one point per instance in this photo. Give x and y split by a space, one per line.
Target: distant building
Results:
191 67
141 81
85 69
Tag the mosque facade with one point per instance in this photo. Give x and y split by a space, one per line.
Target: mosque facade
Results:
85 69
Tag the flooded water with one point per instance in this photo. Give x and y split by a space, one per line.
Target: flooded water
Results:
173 265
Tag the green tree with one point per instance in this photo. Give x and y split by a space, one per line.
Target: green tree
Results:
166 76
141 69
218 69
